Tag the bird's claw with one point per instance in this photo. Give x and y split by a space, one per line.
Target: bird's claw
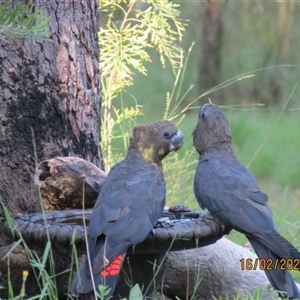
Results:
164 223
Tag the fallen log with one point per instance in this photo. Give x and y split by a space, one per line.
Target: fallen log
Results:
68 182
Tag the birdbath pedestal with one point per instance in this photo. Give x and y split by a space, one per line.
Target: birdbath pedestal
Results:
176 230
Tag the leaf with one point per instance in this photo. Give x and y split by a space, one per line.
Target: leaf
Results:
136 293
23 21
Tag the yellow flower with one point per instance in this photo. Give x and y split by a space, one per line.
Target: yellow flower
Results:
25 274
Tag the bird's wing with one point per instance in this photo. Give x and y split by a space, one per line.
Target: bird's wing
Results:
128 207
229 191
232 194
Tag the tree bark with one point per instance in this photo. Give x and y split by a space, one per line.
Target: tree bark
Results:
50 98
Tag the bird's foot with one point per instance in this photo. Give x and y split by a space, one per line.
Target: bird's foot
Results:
164 223
224 228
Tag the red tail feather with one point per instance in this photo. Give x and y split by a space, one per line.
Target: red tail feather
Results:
114 268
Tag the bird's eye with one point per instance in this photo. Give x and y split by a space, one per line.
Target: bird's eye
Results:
166 133
202 114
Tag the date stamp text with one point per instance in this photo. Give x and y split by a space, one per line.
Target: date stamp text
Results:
270 264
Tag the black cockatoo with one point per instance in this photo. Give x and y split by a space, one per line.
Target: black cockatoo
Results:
231 193
129 205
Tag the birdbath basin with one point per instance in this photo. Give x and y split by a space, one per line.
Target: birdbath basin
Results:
176 230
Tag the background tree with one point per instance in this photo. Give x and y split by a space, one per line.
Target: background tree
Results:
211 45
49 98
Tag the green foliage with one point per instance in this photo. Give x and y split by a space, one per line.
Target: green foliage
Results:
257 295
131 29
103 292
136 293
124 41
23 22
277 159
45 276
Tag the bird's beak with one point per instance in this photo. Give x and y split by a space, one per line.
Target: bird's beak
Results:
176 141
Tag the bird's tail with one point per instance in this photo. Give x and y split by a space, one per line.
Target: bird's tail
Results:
82 281
108 277
280 279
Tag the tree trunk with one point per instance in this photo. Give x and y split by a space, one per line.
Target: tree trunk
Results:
211 45
50 98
